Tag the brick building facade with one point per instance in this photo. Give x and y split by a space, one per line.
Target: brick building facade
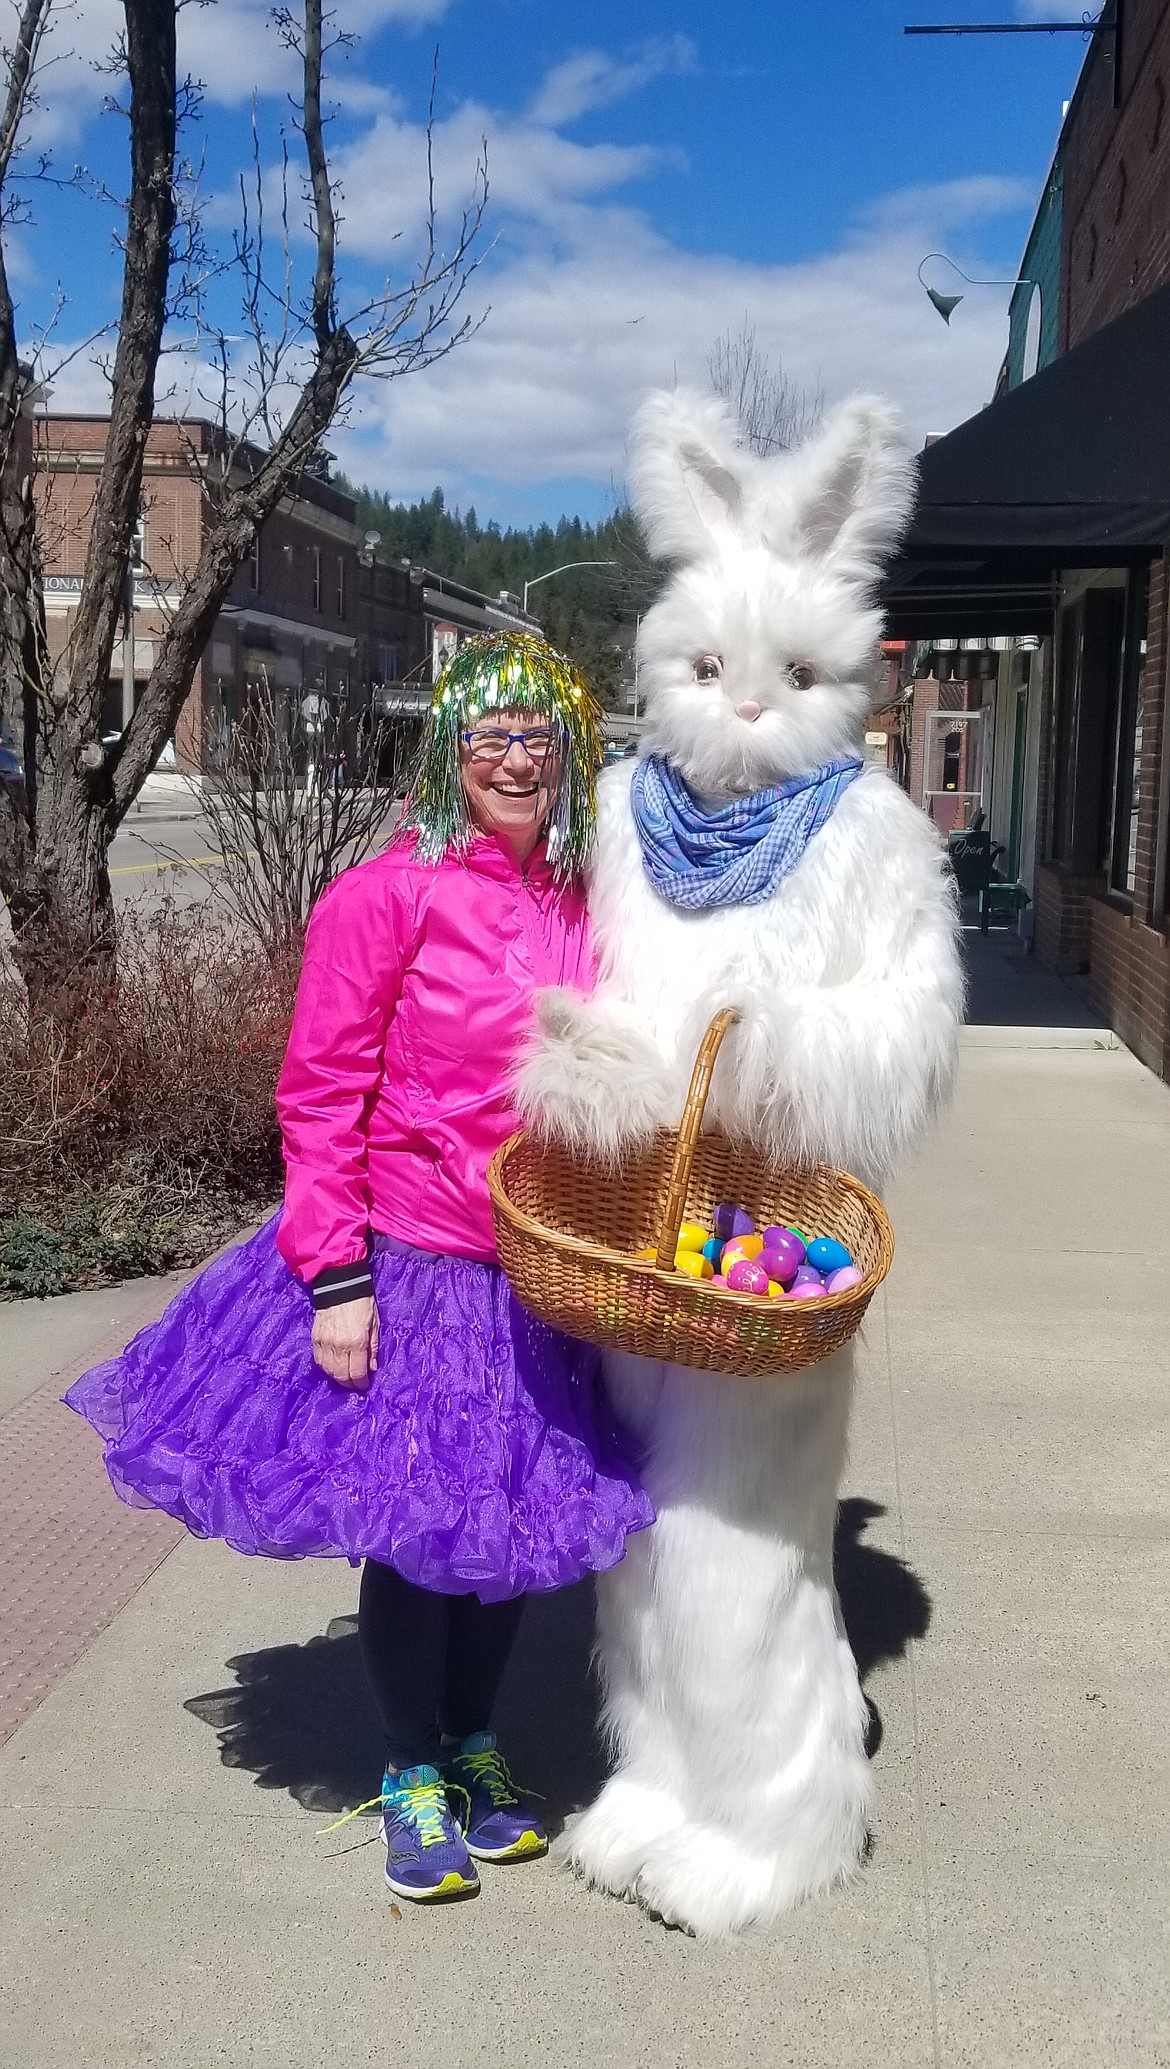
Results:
1103 801
314 612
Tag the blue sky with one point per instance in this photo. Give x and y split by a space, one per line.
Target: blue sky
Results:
659 176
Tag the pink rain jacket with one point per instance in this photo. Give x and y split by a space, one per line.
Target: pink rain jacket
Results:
415 995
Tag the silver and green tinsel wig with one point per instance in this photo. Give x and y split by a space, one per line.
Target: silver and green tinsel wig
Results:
501 671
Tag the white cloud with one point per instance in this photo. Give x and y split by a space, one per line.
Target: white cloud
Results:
537 176
231 47
542 394
592 79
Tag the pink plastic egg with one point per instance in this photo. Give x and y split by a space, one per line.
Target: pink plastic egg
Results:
746 1276
804 1289
839 1282
717 1279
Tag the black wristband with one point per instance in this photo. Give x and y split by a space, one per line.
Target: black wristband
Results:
339 1282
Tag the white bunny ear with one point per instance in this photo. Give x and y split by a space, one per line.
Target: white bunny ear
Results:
687 472
845 496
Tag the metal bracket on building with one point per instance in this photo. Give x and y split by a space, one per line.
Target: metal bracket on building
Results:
1107 23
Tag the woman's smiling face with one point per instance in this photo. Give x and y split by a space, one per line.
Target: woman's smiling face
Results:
510 794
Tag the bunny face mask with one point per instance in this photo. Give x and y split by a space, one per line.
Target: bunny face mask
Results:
756 657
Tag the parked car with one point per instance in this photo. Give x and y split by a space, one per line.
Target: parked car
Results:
12 776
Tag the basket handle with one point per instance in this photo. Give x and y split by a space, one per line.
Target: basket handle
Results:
688 1136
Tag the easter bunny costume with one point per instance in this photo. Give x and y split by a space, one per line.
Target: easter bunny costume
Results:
732 1698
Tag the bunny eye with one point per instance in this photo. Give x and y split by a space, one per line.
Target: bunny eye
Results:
708 668
801 674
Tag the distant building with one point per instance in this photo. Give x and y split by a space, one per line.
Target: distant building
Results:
313 613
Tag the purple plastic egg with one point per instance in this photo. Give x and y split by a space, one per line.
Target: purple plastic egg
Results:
731 1220
807 1275
804 1289
783 1254
747 1277
784 1239
839 1282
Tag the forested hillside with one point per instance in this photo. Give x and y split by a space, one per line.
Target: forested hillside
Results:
590 613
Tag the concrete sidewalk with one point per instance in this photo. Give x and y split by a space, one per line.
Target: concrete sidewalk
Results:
170 1899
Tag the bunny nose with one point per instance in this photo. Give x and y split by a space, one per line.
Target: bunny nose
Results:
749 710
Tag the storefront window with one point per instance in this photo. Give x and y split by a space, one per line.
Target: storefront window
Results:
1127 760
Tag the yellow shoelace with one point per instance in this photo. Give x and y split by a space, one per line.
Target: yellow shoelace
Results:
491 1768
425 1804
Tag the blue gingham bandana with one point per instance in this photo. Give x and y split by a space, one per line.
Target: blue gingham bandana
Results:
738 854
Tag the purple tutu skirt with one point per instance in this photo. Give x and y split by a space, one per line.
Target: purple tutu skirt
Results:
482 1458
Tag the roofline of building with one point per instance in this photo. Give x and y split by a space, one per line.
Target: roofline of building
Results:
213 441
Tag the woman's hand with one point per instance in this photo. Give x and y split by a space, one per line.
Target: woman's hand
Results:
345 1342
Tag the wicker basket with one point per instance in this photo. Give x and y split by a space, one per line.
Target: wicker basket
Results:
568 1232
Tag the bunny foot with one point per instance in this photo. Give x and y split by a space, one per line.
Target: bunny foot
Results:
591 1078
702 1878
607 1845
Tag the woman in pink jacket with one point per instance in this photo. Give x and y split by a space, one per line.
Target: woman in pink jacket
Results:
357 1379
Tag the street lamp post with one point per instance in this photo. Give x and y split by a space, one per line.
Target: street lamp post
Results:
563 570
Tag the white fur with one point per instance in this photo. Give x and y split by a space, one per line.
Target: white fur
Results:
732 1698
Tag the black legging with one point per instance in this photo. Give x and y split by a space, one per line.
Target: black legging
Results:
434 1662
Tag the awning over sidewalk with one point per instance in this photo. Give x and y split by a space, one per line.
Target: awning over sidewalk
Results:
1071 469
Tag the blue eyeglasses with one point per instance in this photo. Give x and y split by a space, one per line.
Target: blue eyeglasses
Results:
491 743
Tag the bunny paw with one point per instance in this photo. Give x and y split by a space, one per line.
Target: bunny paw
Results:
592 1079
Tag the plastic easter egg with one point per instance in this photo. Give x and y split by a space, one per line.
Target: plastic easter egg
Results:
692 1236
717 1279
840 1281
713 1251
741 1249
828 1255
775 1290
794 1231
731 1220
693 1264
807 1275
804 1289
747 1277
783 1254
784 1240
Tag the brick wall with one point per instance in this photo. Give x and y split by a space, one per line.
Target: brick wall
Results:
1116 211
309 535
1116 250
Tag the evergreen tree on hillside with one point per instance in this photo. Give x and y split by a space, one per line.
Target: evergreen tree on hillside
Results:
590 613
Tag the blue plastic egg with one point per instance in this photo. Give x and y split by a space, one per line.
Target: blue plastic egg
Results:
827 1255
713 1251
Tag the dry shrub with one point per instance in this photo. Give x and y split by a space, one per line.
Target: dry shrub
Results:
139 1128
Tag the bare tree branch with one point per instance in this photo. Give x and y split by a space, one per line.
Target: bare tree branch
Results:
775 414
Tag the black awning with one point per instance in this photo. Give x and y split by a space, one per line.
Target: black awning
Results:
1071 469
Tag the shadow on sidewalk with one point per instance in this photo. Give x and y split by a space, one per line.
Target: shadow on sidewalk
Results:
301 1718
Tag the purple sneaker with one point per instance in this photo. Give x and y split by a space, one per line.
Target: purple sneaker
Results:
425 1853
499 1824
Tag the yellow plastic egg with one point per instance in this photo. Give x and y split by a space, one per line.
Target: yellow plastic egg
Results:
692 1236
693 1263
